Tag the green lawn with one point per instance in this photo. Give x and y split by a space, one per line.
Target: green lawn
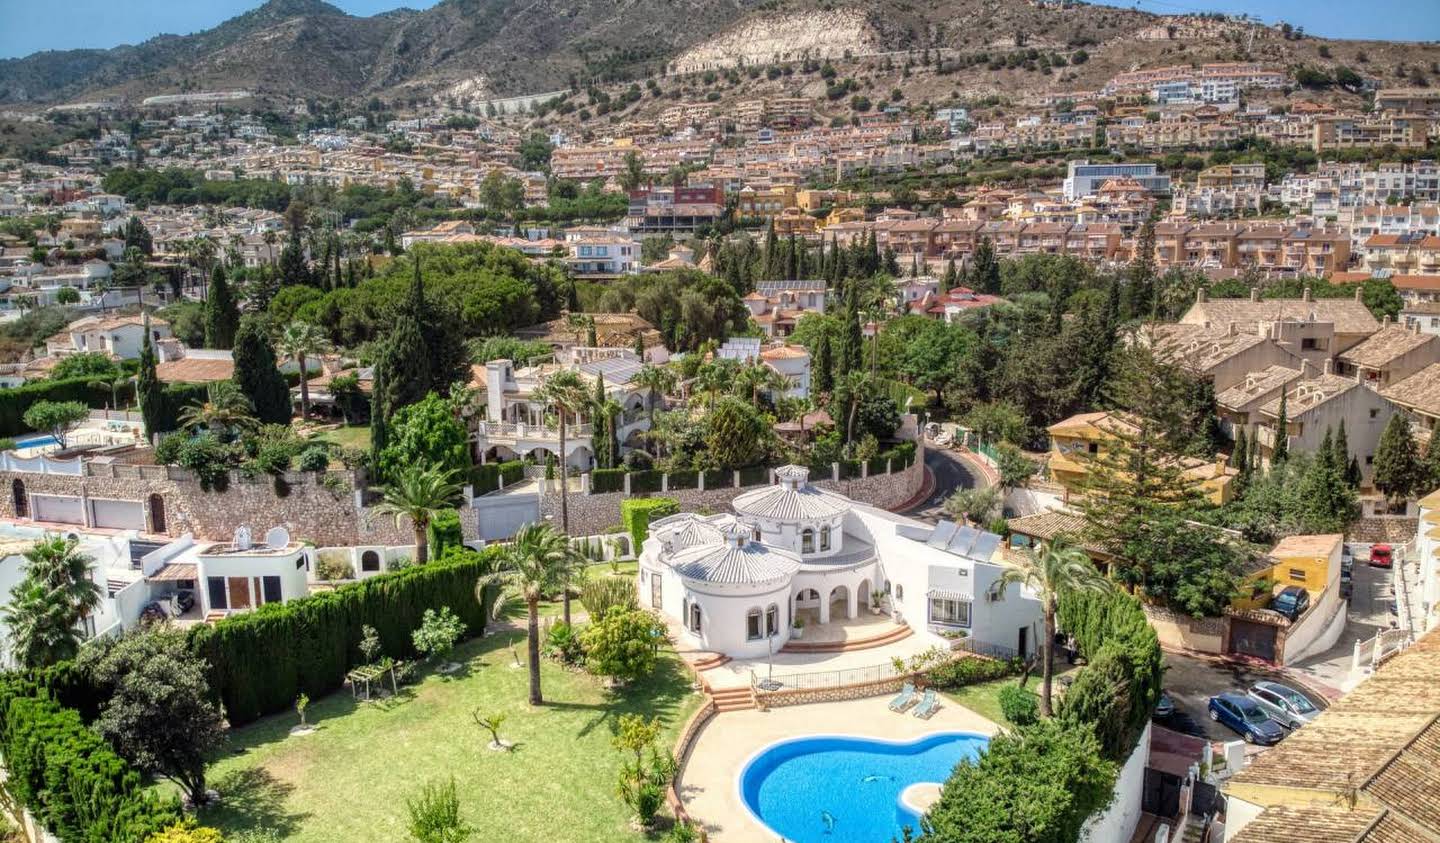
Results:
984 698
348 437
350 780
554 608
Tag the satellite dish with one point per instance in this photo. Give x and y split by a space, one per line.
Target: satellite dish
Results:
277 537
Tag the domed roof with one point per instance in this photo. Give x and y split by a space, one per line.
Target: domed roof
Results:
688 529
735 559
792 498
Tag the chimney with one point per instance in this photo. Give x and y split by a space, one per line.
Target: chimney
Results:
1200 296
1231 330
1254 294
1358 290
1305 296
1329 366
1304 368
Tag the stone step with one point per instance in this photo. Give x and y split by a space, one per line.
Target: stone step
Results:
899 633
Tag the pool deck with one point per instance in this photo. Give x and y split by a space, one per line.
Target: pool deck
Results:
707 780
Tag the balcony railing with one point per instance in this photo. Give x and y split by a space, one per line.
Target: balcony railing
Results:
523 430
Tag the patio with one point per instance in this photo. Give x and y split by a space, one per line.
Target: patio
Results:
707 780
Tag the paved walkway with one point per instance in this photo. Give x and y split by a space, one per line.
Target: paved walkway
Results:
707 783
1368 613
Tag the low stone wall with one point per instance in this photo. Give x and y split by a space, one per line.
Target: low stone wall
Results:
597 513
806 696
1178 631
319 508
688 733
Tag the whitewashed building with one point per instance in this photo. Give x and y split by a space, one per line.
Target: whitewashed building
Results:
736 583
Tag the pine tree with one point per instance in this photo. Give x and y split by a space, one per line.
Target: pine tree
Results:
640 347
822 372
1344 459
1142 299
257 375
293 267
1398 470
599 427
222 315
148 390
1281 451
951 278
771 254
1431 468
851 357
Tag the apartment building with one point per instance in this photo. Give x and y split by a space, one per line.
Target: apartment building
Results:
1348 132
674 208
1232 176
1240 75
1084 179
1309 327
1390 355
1319 404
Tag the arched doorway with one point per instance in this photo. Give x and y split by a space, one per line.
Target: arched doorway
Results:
369 561
157 514
22 503
862 596
839 603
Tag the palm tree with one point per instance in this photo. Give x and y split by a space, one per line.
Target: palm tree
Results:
853 385
756 378
420 493
538 562
300 341
566 392
1059 569
660 380
715 378
225 408
46 607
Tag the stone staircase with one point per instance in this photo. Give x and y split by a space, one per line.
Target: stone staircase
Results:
706 661
1194 832
898 633
732 699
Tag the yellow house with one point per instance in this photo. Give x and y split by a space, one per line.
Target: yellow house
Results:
1082 438
1311 562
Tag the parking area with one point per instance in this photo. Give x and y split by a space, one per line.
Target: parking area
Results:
1192 681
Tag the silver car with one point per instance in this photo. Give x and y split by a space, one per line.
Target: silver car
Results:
1285 704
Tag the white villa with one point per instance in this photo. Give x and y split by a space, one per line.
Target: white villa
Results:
736 583
515 423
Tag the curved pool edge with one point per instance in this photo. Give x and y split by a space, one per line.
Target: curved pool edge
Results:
754 756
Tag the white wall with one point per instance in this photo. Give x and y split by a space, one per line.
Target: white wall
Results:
1117 822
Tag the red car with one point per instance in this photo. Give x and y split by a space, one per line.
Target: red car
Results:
1381 556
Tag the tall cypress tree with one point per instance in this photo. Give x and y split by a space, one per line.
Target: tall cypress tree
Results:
822 370
1240 458
293 267
148 390
1398 470
222 315
985 269
257 375
1281 452
951 277
1143 300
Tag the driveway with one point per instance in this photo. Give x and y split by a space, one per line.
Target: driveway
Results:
950 473
1191 682
1369 612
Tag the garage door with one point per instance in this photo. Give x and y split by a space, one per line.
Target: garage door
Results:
1248 638
64 510
118 515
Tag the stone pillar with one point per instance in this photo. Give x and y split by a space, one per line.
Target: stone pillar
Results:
736 475
664 483
835 471
627 494
864 469
700 481
825 609
851 598
585 483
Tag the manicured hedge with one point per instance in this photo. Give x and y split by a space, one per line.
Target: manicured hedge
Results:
754 475
637 513
971 670
607 480
512 471
683 480
14 402
645 481
68 776
850 469
486 478
261 661
719 478
1112 632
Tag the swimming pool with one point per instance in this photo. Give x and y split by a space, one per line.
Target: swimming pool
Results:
36 441
830 788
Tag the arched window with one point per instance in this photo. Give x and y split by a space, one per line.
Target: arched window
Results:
22 503
752 625
695 618
807 540
772 621
824 538
369 561
157 514
755 534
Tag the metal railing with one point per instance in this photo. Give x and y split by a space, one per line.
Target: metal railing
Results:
824 679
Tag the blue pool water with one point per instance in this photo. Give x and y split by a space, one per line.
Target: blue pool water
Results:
828 789
38 441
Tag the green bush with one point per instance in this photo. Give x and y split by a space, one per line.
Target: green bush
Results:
1019 705
599 595
645 481
445 532
14 402
637 513
512 471
607 480
719 478
957 673
258 664
68 776
683 480
1114 625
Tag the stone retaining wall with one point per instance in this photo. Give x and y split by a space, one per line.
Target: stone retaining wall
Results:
597 513
311 507
806 696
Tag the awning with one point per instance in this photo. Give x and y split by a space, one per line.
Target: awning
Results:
936 593
174 572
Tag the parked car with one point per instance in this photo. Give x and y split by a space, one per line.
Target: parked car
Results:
1291 602
1286 705
1165 708
1382 556
1245 716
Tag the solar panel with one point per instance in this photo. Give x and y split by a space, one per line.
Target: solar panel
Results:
943 532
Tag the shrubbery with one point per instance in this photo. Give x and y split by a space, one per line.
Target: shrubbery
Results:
637 513
957 673
14 402
1019 705
257 668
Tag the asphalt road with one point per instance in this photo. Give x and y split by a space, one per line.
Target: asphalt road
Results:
950 473
1191 682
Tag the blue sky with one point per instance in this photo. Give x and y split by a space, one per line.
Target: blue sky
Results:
33 25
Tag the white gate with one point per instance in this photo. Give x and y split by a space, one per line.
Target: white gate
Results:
118 515
62 510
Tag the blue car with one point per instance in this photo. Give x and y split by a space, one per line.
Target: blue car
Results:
1245 716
